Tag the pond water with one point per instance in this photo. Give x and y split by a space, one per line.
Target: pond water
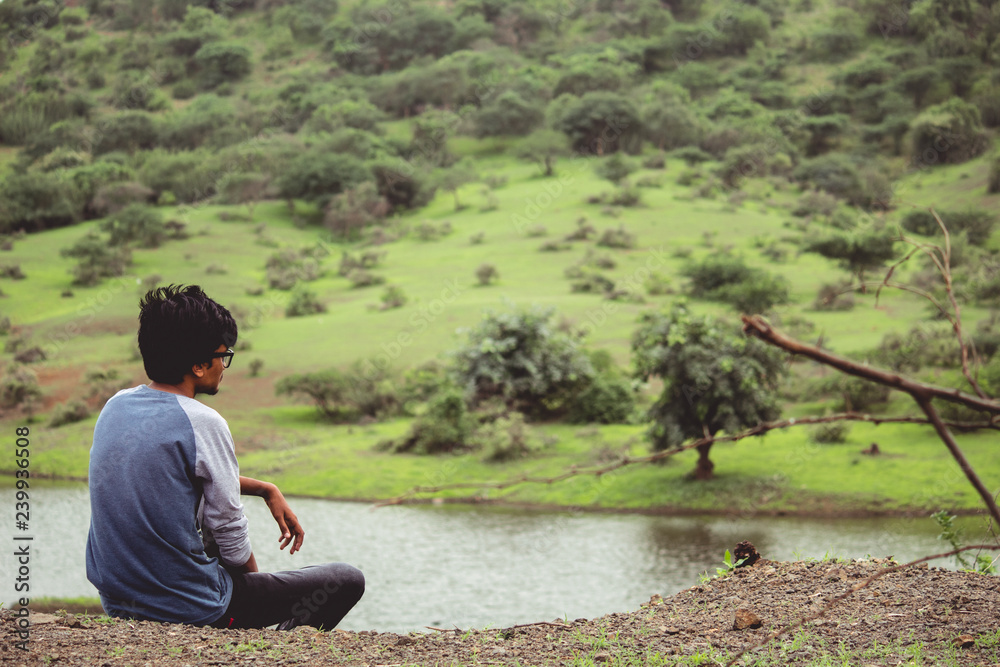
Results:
477 567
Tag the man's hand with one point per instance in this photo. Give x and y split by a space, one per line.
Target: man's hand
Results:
291 531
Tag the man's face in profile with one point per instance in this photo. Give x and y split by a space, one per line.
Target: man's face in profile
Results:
209 382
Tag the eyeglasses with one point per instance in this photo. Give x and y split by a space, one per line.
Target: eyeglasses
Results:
227 357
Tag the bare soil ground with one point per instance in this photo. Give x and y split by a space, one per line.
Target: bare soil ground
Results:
917 615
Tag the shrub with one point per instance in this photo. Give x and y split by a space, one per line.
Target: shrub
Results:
446 426
255 366
318 175
37 200
657 160
209 119
127 131
328 390
19 389
502 439
607 399
584 230
427 231
750 161
948 133
857 252
366 260
393 297
215 269
136 224
220 62
103 384
589 282
835 174
601 123
833 297
67 413
920 347
112 198
517 357
304 302
858 394
615 168
184 90
977 224
692 155
508 114
286 267
361 278
96 259
400 184
617 238
29 355
657 284
830 433
759 294
95 79
815 202
714 272
487 273
543 147
833 44
553 246
354 209
740 27
12 271
135 91
188 175
726 278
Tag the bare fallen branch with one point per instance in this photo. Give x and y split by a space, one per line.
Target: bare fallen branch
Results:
630 460
755 325
921 392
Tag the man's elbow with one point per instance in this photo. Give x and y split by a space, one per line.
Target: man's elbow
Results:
249 566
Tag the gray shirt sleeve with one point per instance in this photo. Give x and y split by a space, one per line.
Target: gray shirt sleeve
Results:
221 513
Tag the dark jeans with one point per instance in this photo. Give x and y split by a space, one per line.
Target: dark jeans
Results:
316 595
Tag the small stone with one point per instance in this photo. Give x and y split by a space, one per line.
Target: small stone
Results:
404 641
39 618
964 641
671 630
744 618
747 553
602 657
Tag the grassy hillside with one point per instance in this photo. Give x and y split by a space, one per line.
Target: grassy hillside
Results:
787 126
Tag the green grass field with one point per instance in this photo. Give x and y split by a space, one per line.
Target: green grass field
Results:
95 328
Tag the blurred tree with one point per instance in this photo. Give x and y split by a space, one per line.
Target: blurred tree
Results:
543 147
714 378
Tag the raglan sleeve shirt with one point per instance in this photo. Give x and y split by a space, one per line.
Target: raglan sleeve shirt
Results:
163 480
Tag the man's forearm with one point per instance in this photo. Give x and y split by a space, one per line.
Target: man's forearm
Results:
254 487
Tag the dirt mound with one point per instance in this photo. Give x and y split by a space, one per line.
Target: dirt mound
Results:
918 615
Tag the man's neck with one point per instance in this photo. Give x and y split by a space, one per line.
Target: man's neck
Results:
183 389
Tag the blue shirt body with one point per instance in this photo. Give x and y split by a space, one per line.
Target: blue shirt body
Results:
163 481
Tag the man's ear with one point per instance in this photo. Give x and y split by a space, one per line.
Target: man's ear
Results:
199 370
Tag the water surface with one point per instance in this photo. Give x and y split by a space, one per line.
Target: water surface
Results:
477 567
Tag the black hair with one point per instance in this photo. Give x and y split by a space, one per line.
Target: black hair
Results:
178 328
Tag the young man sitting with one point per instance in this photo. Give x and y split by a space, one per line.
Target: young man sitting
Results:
168 538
